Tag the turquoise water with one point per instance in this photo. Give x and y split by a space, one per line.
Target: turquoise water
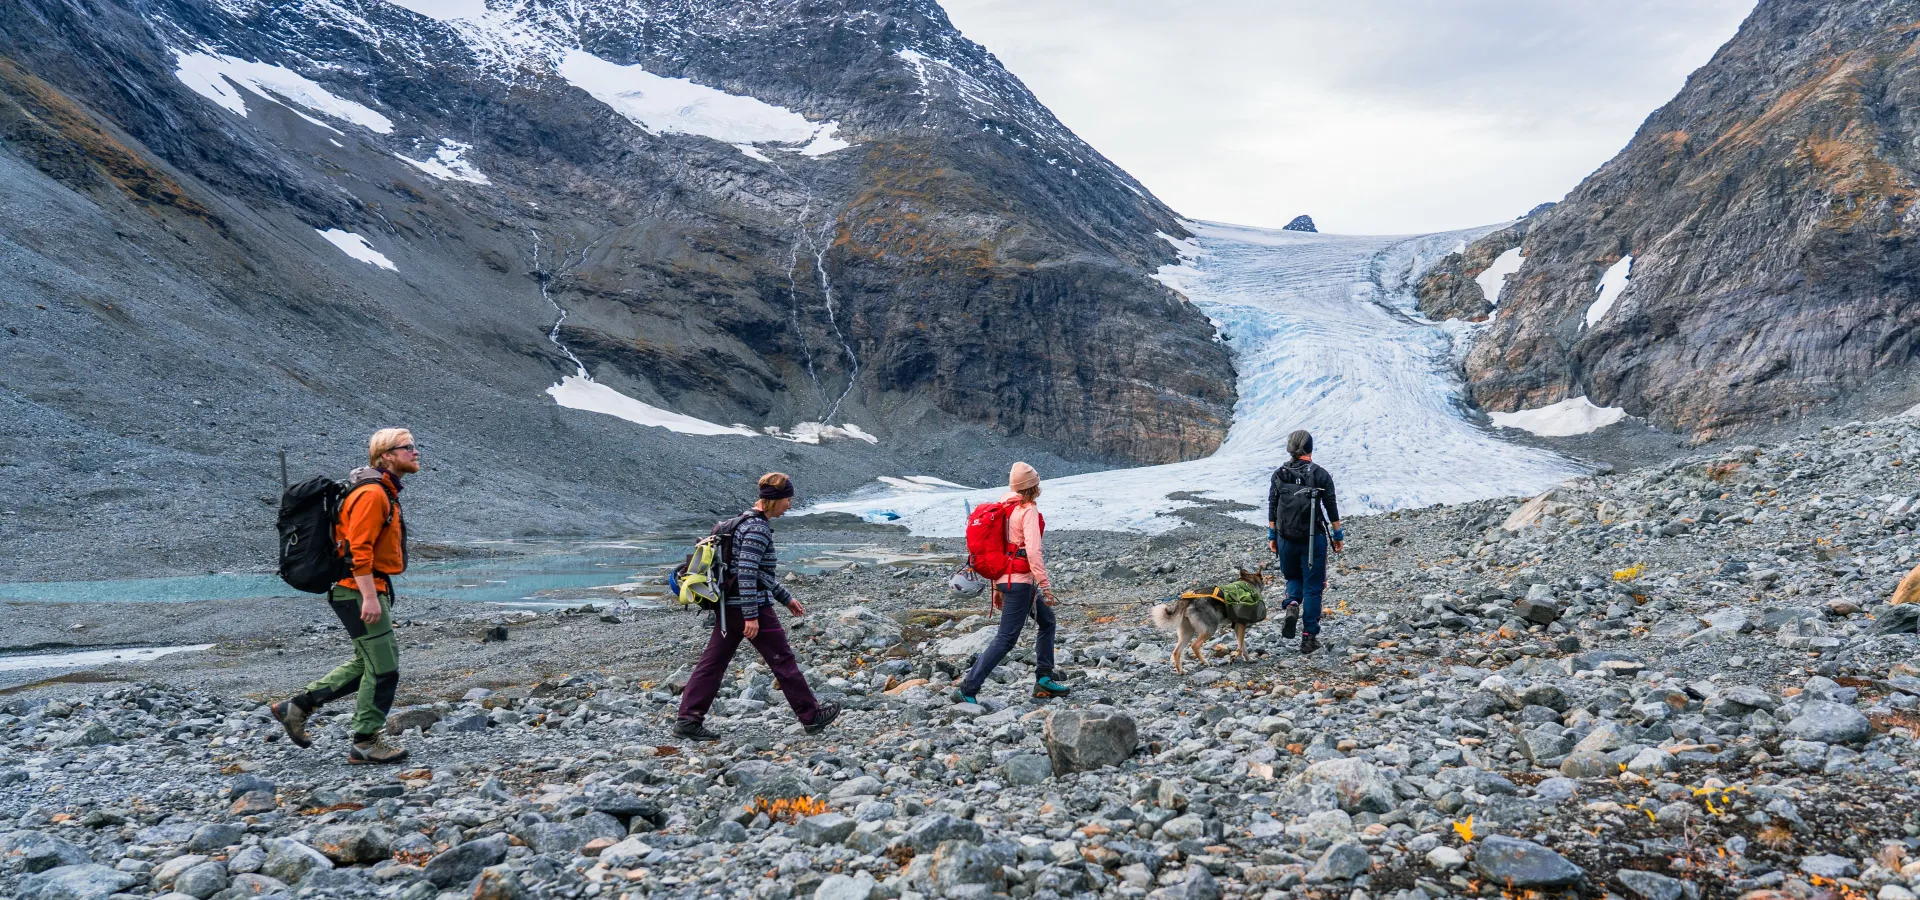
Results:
527 575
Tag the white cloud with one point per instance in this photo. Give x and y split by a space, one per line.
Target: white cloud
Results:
1373 116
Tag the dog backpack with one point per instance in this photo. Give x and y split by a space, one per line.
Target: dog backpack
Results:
990 553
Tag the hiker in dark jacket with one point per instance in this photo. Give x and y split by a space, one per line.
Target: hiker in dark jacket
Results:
748 614
375 535
1303 521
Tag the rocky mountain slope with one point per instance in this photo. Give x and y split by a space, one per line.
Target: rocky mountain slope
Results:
234 226
1675 682
1761 224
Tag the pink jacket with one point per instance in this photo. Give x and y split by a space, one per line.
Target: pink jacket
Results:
1023 530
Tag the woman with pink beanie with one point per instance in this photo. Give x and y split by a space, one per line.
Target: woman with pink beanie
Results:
1014 595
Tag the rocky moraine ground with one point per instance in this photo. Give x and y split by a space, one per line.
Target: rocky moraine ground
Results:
1680 682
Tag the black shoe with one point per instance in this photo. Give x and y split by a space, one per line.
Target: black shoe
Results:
1309 643
294 719
823 717
695 731
1288 623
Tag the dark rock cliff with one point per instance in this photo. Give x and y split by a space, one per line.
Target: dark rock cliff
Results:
1451 290
1769 213
960 270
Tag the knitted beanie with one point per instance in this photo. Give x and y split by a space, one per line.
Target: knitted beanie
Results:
1022 477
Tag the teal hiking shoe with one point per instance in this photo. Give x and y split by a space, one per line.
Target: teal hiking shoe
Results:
961 696
1045 688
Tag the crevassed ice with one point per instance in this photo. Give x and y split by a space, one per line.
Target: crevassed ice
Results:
448 163
679 106
1494 279
357 247
214 76
1574 415
580 392
1320 345
1612 283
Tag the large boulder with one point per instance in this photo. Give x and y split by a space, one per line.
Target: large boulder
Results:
930 831
1829 723
354 845
1357 785
459 865
1342 861
825 828
37 852
82 882
1081 740
1515 864
289 861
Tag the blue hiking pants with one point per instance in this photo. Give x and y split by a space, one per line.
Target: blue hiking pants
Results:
1305 566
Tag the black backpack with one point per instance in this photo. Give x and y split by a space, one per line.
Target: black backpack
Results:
312 559
1299 497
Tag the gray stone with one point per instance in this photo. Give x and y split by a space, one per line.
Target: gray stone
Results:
1341 862
843 887
1446 858
1828 866
166 872
1648 885
1183 828
38 852
1650 762
459 865
252 884
215 836
727 830
421 717
202 881
826 828
626 854
959 864
499 883
1197 883
354 845
289 860
1516 864
1027 769
1587 764
1082 740
931 830
1357 785
81 882
1545 746
1556 790
1901 619
861 786
248 783
1829 723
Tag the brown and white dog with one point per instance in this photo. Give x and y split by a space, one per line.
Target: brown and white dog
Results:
1194 619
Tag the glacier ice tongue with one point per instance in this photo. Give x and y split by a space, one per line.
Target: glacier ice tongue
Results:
1319 344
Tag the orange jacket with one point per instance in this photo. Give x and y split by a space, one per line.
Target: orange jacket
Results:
374 543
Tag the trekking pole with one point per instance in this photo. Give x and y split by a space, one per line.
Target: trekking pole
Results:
283 469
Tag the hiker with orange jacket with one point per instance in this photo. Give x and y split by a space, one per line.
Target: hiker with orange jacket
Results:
1024 591
373 531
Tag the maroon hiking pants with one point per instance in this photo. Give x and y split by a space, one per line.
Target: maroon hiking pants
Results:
704 683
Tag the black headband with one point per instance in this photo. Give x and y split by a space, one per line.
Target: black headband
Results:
776 492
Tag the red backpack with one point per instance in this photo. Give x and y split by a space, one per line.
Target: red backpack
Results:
990 553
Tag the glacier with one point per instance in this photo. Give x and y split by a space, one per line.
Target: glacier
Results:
1325 338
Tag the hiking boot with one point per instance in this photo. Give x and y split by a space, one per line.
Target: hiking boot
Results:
1290 622
1045 688
375 752
961 696
695 731
823 717
294 719
1309 643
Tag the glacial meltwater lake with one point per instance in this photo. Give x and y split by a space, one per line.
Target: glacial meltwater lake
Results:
517 575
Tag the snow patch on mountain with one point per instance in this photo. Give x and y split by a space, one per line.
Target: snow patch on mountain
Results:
448 163
1494 279
1574 415
445 10
662 105
357 247
1613 283
1322 341
583 393
214 76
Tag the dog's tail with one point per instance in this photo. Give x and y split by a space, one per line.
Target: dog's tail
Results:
1166 616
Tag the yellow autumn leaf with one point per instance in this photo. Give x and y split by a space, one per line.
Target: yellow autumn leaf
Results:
1464 829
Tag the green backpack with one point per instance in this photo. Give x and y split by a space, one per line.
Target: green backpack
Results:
707 577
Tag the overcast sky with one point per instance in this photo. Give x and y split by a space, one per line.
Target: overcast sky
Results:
1373 116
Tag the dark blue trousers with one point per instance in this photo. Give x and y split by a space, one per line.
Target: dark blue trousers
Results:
1305 567
1018 601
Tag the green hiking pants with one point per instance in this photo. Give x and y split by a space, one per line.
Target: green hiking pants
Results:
374 672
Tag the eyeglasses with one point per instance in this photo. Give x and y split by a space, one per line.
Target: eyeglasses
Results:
407 447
